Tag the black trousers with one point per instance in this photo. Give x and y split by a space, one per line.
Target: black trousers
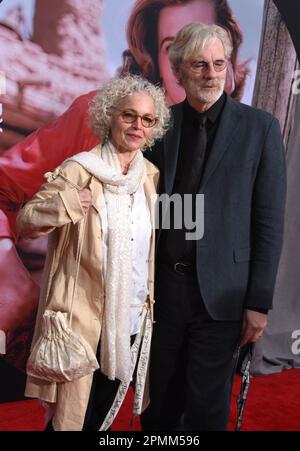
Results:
103 392
102 395
193 358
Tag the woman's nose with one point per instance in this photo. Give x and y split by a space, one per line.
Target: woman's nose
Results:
137 123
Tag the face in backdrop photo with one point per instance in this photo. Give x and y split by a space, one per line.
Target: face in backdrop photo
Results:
152 26
171 19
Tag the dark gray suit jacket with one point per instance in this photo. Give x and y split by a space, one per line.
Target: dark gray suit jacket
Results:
244 187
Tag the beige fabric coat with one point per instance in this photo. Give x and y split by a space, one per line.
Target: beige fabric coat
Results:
56 210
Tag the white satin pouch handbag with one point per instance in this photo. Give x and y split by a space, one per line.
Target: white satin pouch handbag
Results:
60 354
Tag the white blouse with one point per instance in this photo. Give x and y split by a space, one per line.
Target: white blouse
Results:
140 238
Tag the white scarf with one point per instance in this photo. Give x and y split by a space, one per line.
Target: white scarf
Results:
117 187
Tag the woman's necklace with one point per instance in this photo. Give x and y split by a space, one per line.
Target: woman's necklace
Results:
124 168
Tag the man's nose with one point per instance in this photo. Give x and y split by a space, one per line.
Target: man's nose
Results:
211 72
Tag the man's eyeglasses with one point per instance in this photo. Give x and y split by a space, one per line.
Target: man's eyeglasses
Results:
129 117
199 66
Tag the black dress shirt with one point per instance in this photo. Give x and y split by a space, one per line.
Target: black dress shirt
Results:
187 147
173 245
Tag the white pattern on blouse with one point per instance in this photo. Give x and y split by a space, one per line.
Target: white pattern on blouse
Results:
140 237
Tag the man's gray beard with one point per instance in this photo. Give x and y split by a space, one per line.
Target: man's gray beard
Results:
209 97
206 96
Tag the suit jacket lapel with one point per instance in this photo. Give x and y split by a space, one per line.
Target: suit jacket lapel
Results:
229 123
150 193
171 148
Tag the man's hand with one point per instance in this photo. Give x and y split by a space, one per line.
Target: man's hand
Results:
85 197
254 324
19 294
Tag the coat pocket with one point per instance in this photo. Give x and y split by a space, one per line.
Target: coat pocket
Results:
242 254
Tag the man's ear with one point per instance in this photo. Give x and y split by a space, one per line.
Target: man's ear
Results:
177 74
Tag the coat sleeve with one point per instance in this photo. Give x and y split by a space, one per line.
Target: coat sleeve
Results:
22 166
56 203
267 220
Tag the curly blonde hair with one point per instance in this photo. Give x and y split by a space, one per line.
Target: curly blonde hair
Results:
113 91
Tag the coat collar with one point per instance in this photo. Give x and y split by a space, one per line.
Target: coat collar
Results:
171 147
229 123
228 126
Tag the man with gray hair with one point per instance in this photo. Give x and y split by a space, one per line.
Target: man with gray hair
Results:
212 294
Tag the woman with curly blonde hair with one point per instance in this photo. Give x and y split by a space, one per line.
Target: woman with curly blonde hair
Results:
97 208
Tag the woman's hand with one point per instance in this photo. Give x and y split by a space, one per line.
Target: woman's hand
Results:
85 197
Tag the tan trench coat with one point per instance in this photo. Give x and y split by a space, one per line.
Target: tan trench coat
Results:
56 210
